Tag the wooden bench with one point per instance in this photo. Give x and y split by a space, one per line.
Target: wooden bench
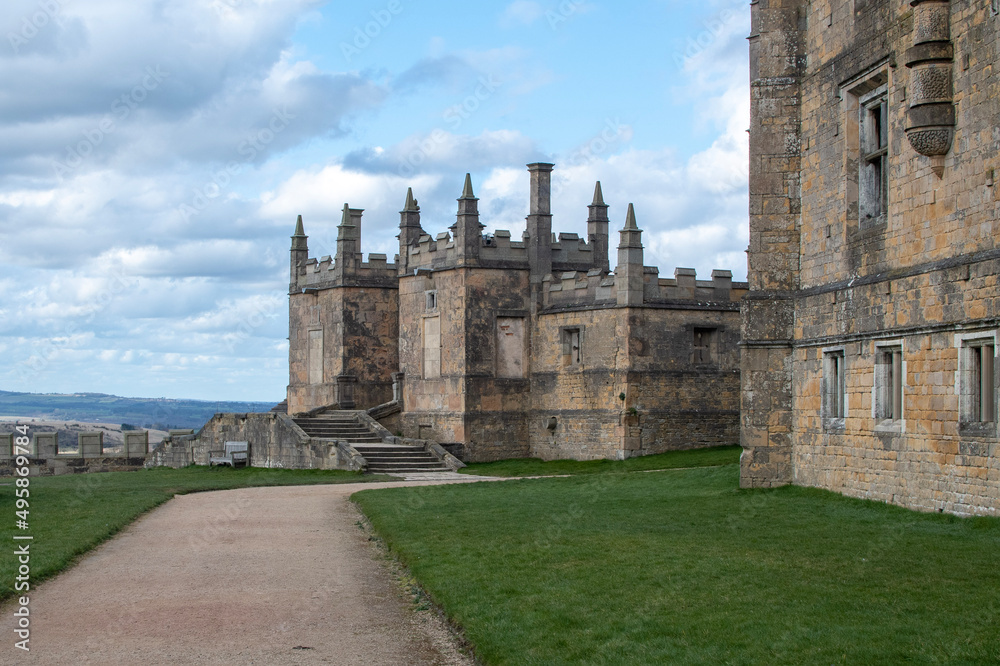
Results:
236 454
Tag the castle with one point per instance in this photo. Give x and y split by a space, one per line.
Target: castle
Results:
500 348
870 328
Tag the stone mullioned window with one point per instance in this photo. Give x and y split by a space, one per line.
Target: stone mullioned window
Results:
977 384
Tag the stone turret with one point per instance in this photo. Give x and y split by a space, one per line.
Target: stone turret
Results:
410 230
468 232
299 254
597 229
629 272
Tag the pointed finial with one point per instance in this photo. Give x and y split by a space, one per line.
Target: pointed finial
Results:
598 195
630 224
467 190
345 219
299 229
411 203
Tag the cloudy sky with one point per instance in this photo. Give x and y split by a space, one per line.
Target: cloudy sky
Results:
156 153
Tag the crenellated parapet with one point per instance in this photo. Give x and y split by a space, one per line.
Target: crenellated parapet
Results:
324 273
598 288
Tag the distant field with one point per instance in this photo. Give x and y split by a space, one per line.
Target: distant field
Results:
155 413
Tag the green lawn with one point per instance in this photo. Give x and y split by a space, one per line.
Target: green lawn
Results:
722 455
684 567
72 514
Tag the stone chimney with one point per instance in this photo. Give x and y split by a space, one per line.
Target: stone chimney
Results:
539 223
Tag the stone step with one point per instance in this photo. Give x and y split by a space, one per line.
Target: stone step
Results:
407 467
371 452
400 459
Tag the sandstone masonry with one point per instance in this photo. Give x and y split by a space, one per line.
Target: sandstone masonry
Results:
870 329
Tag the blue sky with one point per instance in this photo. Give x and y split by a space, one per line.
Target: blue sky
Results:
158 151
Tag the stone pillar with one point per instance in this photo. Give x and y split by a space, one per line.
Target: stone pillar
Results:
930 120
45 444
397 387
410 231
629 271
299 255
136 443
91 444
597 230
468 232
6 446
768 311
348 242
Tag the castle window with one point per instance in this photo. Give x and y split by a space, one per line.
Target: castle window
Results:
571 353
873 166
834 388
703 346
430 301
977 382
889 383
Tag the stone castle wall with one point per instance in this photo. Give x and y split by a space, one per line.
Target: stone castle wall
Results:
921 278
477 324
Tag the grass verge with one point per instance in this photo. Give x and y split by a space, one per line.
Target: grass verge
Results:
721 455
70 515
684 567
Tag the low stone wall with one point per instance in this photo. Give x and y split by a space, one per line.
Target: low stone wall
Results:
45 459
59 465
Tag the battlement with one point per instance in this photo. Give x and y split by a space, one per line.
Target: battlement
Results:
572 289
325 273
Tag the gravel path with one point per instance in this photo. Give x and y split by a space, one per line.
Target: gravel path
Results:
250 576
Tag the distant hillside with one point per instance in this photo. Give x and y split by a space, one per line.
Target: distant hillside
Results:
158 413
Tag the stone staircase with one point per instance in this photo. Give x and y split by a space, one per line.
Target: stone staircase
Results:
397 459
383 457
